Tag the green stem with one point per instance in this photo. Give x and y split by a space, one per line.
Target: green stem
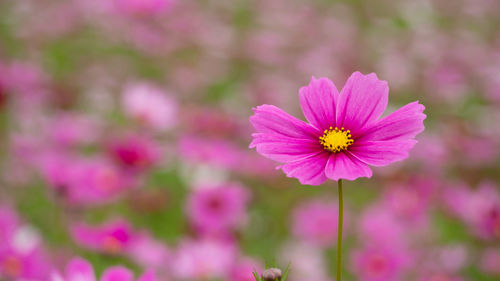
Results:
339 239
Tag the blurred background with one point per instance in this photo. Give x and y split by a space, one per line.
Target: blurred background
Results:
124 138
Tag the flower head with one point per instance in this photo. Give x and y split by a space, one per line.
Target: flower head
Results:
345 133
316 222
150 106
82 270
113 237
203 260
217 209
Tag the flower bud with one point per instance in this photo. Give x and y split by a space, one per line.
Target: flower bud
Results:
271 274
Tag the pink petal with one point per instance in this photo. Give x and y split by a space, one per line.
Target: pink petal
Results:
318 102
382 153
310 170
117 273
284 149
272 120
79 269
404 123
344 165
362 101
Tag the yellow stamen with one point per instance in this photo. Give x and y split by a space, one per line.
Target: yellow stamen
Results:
336 140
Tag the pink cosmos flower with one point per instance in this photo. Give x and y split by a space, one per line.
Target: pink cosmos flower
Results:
308 261
344 134
143 7
223 154
22 256
114 237
242 271
117 237
148 252
9 222
377 263
441 276
79 269
84 181
23 264
217 209
479 209
316 222
150 106
443 259
379 225
135 152
203 260
71 129
410 201
490 261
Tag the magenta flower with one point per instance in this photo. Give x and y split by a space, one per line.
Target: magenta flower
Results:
135 152
81 270
490 261
345 133
380 263
22 255
113 237
217 209
203 260
150 106
316 222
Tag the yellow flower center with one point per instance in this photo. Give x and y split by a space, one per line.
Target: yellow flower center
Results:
335 139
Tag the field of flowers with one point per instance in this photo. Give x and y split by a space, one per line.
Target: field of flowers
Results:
133 146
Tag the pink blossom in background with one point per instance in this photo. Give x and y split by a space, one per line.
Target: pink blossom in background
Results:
84 181
432 151
309 261
203 259
22 255
344 134
223 154
70 130
9 222
81 270
316 222
380 263
243 270
490 261
441 276
216 152
218 209
210 122
410 201
150 106
26 80
135 152
143 7
97 181
447 81
449 259
57 170
478 150
114 237
479 209
379 226
149 252
20 264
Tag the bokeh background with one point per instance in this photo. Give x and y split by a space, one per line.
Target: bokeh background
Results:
124 138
